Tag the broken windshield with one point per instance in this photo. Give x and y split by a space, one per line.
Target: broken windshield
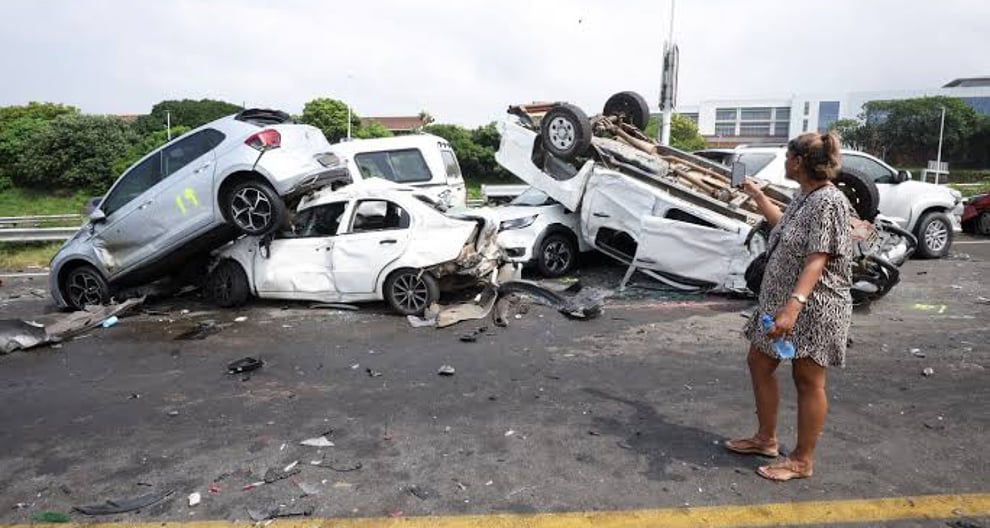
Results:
532 198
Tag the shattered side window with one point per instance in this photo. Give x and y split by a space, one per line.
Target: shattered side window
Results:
319 221
378 215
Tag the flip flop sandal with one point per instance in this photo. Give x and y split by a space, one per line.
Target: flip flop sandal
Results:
750 447
781 472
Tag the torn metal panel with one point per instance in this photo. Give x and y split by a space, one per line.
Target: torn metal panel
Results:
471 311
20 335
584 305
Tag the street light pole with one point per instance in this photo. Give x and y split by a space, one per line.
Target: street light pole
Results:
938 160
350 77
668 82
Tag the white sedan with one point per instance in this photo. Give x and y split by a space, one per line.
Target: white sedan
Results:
373 240
535 229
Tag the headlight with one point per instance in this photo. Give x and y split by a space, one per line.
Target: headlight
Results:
517 223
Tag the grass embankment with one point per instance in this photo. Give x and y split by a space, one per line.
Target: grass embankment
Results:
20 202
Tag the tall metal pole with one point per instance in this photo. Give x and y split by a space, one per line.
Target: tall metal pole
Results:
938 160
168 125
668 81
348 121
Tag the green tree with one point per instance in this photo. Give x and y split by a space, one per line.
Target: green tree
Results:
186 112
475 150
908 129
34 110
369 129
14 138
330 116
75 152
683 133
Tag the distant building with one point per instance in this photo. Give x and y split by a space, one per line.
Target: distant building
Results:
399 125
730 122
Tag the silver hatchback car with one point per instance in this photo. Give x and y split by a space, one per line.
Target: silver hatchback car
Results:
190 196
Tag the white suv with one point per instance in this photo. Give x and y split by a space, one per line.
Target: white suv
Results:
931 212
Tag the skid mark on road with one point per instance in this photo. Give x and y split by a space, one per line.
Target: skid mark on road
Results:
791 514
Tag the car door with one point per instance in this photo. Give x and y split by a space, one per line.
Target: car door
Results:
298 264
893 201
124 236
185 201
377 234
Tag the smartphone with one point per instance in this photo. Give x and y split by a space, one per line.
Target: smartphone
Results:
738 174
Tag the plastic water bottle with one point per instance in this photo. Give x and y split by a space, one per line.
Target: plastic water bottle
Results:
783 347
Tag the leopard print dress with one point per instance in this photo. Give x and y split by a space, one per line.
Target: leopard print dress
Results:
819 225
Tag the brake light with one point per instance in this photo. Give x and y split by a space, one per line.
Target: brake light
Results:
265 140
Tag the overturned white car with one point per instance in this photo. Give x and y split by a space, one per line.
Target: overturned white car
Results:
662 211
373 240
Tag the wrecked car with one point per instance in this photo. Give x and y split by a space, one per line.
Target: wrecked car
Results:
191 195
535 230
667 213
370 241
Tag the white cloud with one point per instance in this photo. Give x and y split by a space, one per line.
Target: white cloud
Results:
466 61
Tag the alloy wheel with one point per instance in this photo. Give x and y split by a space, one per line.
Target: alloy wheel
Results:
936 236
85 290
411 292
251 209
557 256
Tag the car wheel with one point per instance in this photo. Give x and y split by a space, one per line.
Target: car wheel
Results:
410 292
565 131
861 192
630 107
254 208
227 285
934 235
983 223
85 286
556 255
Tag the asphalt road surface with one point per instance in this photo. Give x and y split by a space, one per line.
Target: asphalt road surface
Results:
622 413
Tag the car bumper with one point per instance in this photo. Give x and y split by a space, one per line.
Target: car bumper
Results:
518 244
955 216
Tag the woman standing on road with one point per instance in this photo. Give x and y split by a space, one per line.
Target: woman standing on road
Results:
806 289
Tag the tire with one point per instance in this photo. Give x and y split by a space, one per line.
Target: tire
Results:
983 224
410 292
227 285
565 131
85 286
934 234
254 208
861 192
758 238
630 107
556 255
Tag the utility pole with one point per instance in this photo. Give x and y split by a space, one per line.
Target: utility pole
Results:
168 125
350 77
668 82
938 160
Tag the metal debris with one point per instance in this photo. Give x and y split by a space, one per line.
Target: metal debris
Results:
928 372
446 370
246 364
124 505
319 441
202 330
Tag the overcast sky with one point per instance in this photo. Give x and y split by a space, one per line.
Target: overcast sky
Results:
465 61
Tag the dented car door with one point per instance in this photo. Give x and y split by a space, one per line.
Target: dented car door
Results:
376 235
299 264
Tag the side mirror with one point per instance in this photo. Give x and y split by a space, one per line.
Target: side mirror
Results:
97 216
738 173
903 176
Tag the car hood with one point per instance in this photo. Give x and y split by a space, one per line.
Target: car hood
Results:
510 212
930 189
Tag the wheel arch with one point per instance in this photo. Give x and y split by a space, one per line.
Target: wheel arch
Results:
924 209
555 229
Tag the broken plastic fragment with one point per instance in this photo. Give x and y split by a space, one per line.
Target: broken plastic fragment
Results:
194 498
123 505
240 319
109 321
446 370
320 441
246 364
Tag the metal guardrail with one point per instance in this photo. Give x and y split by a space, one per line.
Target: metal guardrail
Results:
37 228
37 234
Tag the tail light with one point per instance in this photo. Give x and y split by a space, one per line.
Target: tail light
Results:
265 140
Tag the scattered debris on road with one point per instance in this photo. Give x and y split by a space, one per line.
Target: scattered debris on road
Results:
246 364
446 370
51 517
16 334
194 499
319 441
113 506
276 474
261 515
928 372
372 372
